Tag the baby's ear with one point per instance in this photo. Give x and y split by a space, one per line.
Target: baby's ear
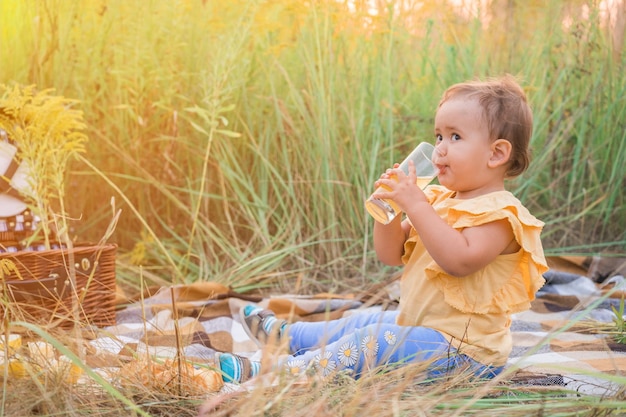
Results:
500 153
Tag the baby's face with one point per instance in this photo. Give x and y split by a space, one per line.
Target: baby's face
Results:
463 146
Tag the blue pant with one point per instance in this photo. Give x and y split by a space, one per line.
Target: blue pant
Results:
365 341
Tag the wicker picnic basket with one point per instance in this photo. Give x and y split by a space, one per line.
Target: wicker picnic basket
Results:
60 287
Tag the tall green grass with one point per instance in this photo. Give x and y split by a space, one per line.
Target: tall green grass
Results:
241 138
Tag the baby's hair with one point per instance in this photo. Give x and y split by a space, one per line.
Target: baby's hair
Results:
506 112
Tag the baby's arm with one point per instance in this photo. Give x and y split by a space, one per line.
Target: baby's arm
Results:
460 252
389 240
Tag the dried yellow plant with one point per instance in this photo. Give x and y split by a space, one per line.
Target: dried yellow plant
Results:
48 132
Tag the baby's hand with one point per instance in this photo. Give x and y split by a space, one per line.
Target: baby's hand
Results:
400 187
388 174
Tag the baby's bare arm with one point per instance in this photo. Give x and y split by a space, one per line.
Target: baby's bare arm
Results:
461 252
389 241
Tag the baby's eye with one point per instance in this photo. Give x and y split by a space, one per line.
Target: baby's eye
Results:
455 136
438 137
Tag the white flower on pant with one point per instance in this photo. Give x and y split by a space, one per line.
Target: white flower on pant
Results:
295 366
348 354
324 363
369 345
390 337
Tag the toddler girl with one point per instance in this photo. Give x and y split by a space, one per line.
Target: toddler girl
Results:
471 252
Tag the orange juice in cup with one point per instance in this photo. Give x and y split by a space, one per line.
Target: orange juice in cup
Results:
384 211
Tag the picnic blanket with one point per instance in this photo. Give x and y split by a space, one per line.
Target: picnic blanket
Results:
558 341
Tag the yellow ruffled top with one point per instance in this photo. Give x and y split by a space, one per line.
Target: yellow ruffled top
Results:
474 312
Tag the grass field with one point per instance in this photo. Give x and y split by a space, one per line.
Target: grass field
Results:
240 139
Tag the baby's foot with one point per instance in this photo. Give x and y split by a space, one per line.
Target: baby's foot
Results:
261 324
237 369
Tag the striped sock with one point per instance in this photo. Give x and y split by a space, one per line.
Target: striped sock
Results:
267 319
237 369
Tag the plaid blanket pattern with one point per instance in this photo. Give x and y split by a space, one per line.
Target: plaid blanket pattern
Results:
556 342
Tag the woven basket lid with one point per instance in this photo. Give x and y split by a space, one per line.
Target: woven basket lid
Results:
10 203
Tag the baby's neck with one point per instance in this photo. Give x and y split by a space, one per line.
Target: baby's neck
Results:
468 194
